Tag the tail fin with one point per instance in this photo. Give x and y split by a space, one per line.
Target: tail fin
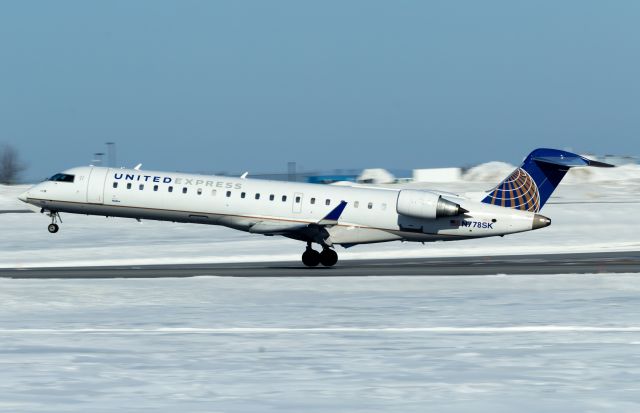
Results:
529 187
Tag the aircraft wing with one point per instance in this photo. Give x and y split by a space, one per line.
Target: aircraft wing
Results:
311 231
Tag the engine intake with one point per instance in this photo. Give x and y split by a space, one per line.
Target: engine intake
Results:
427 205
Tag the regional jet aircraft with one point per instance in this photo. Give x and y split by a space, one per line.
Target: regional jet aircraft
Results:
325 215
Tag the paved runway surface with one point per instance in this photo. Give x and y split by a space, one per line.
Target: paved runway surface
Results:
609 262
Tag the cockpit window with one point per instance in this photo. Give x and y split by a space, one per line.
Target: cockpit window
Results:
62 178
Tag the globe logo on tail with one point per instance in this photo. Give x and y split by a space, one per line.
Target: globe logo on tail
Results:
518 191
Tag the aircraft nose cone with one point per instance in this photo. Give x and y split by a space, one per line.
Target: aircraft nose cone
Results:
23 196
540 221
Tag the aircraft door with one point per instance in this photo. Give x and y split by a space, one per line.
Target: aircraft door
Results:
297 202
95 186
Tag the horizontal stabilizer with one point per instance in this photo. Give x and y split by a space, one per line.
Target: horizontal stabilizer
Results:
571 161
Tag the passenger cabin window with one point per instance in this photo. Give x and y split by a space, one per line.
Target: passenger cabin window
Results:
170 189
243 194
214 192
370 205
199 191
155 188
141 187
313 201
62 178
257 196
356 204
297 200
228 194
184 189
327 202
115 184
284 198
272 197
129 185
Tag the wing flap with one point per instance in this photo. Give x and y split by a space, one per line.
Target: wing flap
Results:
275 228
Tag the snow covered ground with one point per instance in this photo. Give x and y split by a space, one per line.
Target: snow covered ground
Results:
593 210
399 344
558 343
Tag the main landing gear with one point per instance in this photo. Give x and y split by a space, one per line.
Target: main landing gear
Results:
53 227
311 257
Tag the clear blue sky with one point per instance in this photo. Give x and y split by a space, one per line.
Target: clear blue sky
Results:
250 85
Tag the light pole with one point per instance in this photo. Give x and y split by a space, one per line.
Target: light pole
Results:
111 150
291 172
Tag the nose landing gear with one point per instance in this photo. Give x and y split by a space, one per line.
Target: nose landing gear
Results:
311 257
53 227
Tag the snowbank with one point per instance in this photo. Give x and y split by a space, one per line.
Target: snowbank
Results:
488 172
497 171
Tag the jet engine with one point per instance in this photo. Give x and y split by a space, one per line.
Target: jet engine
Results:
426 205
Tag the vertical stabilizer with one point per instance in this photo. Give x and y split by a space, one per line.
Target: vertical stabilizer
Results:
530 186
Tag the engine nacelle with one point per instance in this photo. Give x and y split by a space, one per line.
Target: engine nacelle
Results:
426 205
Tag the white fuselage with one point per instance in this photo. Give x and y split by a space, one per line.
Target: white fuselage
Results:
251 205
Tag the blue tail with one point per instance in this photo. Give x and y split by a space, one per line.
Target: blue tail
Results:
530 186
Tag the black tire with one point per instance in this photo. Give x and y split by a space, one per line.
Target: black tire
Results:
53 228
328 257
311 258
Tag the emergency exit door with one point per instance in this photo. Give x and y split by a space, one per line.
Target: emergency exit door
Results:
297 202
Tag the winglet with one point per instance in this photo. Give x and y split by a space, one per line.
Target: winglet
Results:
333 216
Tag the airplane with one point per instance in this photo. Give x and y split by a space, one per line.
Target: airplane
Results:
326 215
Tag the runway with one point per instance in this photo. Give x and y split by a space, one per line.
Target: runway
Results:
583 263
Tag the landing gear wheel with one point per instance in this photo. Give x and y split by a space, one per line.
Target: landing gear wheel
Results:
311 258
55 217
328 257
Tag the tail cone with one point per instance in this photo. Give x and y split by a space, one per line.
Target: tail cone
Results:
540 221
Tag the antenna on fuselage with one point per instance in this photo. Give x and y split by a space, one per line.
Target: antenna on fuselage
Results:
244 175
137 167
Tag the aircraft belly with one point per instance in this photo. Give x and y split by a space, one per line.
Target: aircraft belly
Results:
122 211
358 235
